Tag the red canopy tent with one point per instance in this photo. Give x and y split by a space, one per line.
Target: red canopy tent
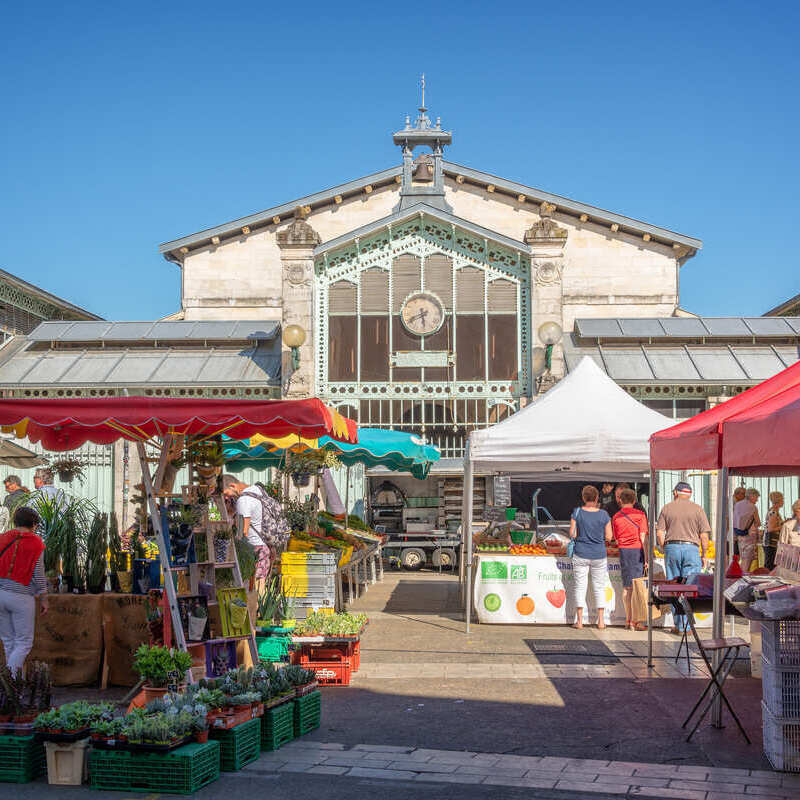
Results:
67 423
754 433
698 442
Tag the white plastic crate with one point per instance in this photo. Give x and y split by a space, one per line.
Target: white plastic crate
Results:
780 642
781 689
781 741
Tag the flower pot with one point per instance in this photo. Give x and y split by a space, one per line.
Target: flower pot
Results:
201 736
238 615
301 478
197 627
221 550
125 579
289 624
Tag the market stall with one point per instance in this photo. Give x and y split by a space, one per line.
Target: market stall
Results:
754 433
585 428
362 563
193 535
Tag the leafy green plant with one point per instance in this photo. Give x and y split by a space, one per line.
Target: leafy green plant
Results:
155 664
301 514
96 549
297 676
69 469
118 561
246 555
343 624
269 599
65 522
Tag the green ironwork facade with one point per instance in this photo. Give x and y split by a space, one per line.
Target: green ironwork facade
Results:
446 384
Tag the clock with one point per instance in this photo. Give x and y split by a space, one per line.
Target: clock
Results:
422 313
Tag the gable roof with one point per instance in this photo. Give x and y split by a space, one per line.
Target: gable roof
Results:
173 250
417 211
47 297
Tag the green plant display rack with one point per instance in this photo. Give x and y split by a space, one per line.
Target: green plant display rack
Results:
239 746
307 713
22 759
277 726
183 771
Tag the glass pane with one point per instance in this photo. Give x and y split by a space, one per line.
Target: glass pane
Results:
502 347
374 348
470 346
342 348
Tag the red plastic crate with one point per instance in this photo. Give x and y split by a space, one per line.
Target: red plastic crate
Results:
351 649
332 666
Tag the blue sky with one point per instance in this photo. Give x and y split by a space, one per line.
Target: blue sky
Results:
125 125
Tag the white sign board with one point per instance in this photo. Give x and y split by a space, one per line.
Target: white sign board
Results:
540 589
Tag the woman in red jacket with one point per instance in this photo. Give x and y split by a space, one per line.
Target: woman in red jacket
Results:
21 581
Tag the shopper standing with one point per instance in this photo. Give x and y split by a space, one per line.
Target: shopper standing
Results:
15 494
682 532
772 529
590 527
629 526
746 524
21 581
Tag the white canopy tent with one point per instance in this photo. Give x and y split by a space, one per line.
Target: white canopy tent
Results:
585 428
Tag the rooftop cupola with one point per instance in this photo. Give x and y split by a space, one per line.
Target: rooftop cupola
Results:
418 186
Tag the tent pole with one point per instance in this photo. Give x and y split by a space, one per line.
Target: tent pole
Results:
653 512
466 534
718 622
347 495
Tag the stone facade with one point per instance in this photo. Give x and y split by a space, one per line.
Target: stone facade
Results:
581 269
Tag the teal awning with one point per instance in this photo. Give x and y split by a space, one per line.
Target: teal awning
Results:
376 447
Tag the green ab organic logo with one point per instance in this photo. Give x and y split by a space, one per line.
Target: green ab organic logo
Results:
519 573
494 571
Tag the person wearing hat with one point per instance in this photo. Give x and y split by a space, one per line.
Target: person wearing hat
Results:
682 532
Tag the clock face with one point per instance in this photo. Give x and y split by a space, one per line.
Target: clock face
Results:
422 313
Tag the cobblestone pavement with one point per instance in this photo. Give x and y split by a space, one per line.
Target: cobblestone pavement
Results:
575 775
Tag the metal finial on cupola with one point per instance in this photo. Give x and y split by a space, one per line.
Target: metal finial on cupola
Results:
423 181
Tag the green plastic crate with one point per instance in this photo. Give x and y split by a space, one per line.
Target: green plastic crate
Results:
307 713
272 648
183 771
521 537
277 726
22 759
238 746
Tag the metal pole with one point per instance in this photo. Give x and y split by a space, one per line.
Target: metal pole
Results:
653 511
347 495
718 622
466 533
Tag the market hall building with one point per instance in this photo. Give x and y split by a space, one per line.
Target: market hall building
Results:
421 289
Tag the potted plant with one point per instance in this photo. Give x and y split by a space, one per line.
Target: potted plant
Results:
96 548
197 618
286 609
237 611
158 666
268 602
221 544
69 469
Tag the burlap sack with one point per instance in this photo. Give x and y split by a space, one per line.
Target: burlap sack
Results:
70 638
124 629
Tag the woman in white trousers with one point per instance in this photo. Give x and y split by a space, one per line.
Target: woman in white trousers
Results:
590 528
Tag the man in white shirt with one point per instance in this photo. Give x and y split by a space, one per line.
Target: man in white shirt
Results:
263 523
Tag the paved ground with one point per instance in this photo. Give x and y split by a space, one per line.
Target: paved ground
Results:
548 711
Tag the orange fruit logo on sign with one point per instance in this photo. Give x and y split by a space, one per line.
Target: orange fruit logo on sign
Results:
525 605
